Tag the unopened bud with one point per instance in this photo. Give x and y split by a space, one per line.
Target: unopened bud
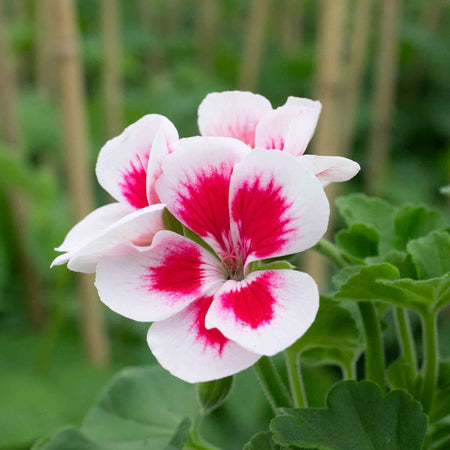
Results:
213 394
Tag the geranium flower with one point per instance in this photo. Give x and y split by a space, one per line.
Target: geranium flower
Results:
127 168
250 118
213 316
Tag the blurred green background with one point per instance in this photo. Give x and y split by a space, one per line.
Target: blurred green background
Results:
380 67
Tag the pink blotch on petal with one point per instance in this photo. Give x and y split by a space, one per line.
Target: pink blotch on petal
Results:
208 338
179 273
260 212
203 204
134 185
253 303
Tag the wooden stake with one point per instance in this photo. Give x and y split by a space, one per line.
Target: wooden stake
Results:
78 169
291 31
112 58
31 285
44 36
254 45
207 15
330 91
386 72
356 69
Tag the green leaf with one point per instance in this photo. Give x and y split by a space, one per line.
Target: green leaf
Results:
196 238
371 211
333 338
364 285
274 265
262 441
360 240
181 436
421 295
430 254
413 221
171 222
142 408
397 374
344 275
69 438
441 405
357 417
334 327
403 262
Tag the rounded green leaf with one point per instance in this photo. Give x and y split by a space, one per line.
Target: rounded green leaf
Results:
141 409
357 417
431 254
415 221
359 241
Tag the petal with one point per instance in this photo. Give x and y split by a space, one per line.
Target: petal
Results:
232 114
329 169
195 185
289 127
188 350
277 206
137 228
91 226
267 311
122 163
157 283
160 150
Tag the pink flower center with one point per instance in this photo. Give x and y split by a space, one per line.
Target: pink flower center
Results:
233 262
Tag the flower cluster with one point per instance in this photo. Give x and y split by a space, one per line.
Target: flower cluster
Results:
244 192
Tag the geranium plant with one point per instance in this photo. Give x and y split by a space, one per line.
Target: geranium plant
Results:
200 243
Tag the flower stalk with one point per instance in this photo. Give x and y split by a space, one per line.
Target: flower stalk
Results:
272 384
294 371
406 341
374 358
431 360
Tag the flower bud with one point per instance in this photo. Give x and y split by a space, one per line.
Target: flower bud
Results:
213 394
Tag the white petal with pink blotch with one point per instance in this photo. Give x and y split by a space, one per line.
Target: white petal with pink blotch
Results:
157 283
123 161
277 206
187 349
267 311
195 185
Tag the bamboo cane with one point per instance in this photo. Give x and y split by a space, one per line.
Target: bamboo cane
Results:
43 60
207 15
78 172
291 32
380 136
254 45
112 57
330 91
356 70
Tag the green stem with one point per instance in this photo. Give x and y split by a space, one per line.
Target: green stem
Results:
406 341
349 370
272 384
374 358
330 250
430 362
294 371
